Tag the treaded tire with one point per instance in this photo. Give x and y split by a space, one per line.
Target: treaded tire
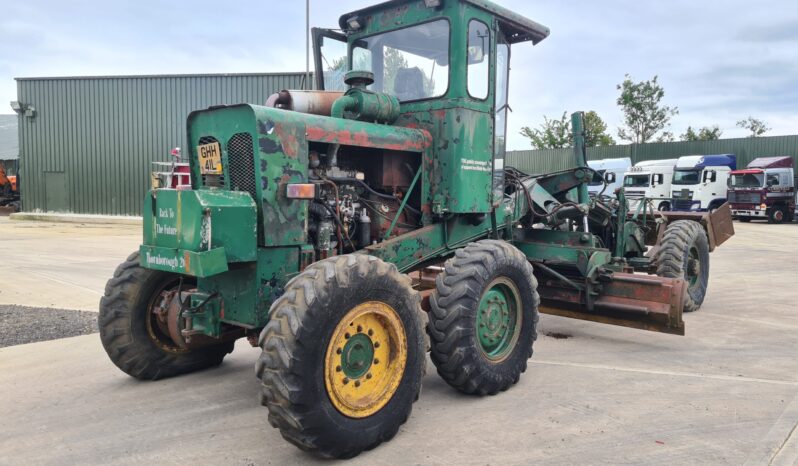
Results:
672 260
123 327
456 351
295 341
777 215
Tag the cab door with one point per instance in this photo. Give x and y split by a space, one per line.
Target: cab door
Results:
330 59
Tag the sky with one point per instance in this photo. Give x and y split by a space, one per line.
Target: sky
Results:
719 61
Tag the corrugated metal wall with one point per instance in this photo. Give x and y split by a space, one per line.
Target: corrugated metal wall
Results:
89 147
746 149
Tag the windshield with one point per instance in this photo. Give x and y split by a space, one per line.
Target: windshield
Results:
686 176
410 63
598 178
637 181
748 180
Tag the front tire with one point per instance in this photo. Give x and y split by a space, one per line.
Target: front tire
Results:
133 342
343 356
483 317
777 215
684 253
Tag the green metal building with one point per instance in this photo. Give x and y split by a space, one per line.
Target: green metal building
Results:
87 143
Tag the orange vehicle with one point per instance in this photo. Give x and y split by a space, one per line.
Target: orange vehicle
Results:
9 191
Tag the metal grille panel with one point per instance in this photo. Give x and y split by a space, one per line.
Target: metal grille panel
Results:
213 181
241 163
744 198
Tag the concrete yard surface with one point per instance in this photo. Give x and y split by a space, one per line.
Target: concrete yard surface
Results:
726 393
60 265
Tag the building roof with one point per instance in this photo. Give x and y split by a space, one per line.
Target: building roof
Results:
9 137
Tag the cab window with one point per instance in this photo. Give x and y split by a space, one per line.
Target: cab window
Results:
478 59
410 63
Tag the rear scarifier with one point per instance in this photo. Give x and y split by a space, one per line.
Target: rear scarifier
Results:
292 365
124 311
685 254
459 350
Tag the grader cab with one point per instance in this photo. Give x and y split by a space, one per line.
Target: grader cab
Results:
335 228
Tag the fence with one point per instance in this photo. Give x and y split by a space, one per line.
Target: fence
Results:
746 149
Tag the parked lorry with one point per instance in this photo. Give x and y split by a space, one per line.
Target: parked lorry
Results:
765 189
608 175
700 182
649 180
347 233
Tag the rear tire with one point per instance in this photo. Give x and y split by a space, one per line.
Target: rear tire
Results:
483 318
664 207
684 253
130 341
302 362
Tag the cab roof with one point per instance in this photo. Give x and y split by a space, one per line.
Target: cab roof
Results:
701 161
771 162
516 27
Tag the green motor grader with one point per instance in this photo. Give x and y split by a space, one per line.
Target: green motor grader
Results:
347 231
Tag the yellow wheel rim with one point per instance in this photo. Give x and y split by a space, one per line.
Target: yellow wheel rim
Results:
365 359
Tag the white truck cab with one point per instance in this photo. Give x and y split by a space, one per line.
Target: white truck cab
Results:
651 180
699 182
609 170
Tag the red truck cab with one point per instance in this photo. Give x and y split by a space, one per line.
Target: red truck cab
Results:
765 189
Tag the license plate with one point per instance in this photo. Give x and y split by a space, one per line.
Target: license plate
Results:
210 158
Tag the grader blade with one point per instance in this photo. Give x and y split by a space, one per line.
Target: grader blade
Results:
628 300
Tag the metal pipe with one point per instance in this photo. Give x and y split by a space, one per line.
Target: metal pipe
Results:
557 275
404 203
341 105
307 44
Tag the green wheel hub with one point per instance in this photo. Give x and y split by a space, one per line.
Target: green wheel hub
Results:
498 319
357 356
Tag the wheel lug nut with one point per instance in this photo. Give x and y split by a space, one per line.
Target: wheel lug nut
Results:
346 335
371 332
357 383
346 381
339 351
359 328
376 361
338 369
368 376
376 344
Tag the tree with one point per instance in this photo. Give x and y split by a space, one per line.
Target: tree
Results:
707 133
552 134
755 126
393 62
644 113
666 136
596 131
556 134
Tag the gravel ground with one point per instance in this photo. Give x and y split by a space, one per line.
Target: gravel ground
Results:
20 324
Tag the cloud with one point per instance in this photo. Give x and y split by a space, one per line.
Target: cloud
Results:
719 60
786 31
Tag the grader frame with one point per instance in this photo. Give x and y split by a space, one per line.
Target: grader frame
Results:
306 216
